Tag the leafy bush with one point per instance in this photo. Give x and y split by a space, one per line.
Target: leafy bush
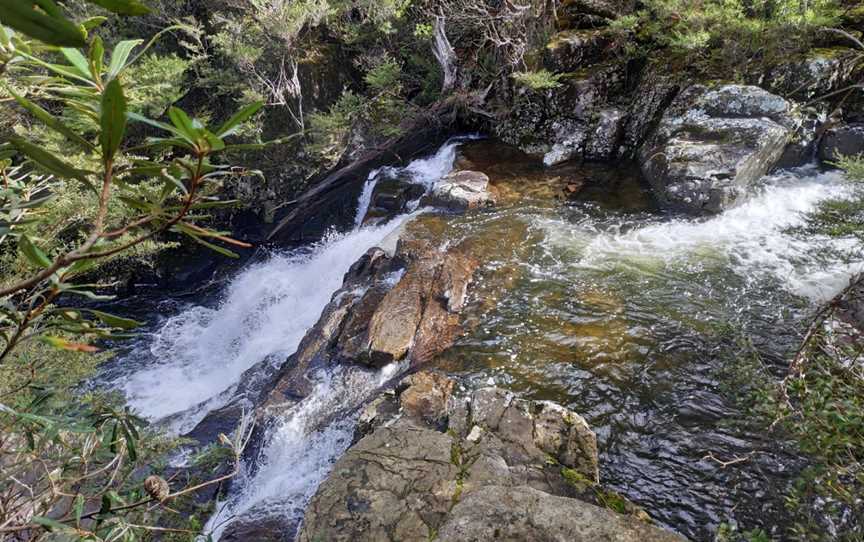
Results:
538 80
78 190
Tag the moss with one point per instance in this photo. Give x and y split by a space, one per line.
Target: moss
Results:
576 478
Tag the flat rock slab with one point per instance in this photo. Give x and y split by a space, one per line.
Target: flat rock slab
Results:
460 191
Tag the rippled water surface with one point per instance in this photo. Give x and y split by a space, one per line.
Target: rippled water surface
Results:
634 319
588 296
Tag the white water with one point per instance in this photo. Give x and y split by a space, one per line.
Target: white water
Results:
301 449
267 309
751 239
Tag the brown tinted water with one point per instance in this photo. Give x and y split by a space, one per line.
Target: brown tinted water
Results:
634 319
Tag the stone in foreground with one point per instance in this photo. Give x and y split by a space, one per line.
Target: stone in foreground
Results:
434 466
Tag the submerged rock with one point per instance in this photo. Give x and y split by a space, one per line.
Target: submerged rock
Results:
711 144
499 467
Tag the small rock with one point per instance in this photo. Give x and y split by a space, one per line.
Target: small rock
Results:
460 191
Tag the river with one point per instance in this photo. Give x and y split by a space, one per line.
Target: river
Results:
628 315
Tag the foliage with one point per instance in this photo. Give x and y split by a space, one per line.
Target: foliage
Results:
725 36
81 186
538 80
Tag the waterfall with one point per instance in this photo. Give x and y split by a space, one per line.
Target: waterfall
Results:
194 361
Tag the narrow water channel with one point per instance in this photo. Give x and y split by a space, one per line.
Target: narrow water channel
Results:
600 301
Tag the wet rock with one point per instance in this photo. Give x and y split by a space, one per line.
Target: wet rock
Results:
391 197
405 479
607 135
461 190
654 92
803 145
713 143
258 527
390 308
526 514
842 140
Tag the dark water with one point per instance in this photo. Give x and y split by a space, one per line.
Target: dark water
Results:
636 320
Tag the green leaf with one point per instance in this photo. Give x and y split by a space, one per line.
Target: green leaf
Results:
123 7
49 162
186 126
63 71
113 120
50 121
79 509
48 25
155 123
34 254
115 321
215 248
120 56
78 61
97 55
93 22
50 524
238 118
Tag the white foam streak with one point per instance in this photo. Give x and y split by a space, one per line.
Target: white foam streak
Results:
301 450
752 239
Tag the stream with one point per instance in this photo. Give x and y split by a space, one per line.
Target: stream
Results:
625 314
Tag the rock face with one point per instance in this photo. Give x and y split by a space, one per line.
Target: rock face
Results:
431 465
842 140
573 121
713 143
460 191
390 308
816 74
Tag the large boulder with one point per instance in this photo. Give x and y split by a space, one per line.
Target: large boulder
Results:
404 306
842 140
410 477
576 120
712 143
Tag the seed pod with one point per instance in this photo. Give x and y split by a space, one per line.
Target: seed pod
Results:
157 487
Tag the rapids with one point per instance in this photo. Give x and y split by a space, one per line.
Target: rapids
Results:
621 312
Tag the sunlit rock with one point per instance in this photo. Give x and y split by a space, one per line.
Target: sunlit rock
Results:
712 144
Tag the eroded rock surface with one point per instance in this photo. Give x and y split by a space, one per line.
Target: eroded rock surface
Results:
404 306
711 144
432 464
